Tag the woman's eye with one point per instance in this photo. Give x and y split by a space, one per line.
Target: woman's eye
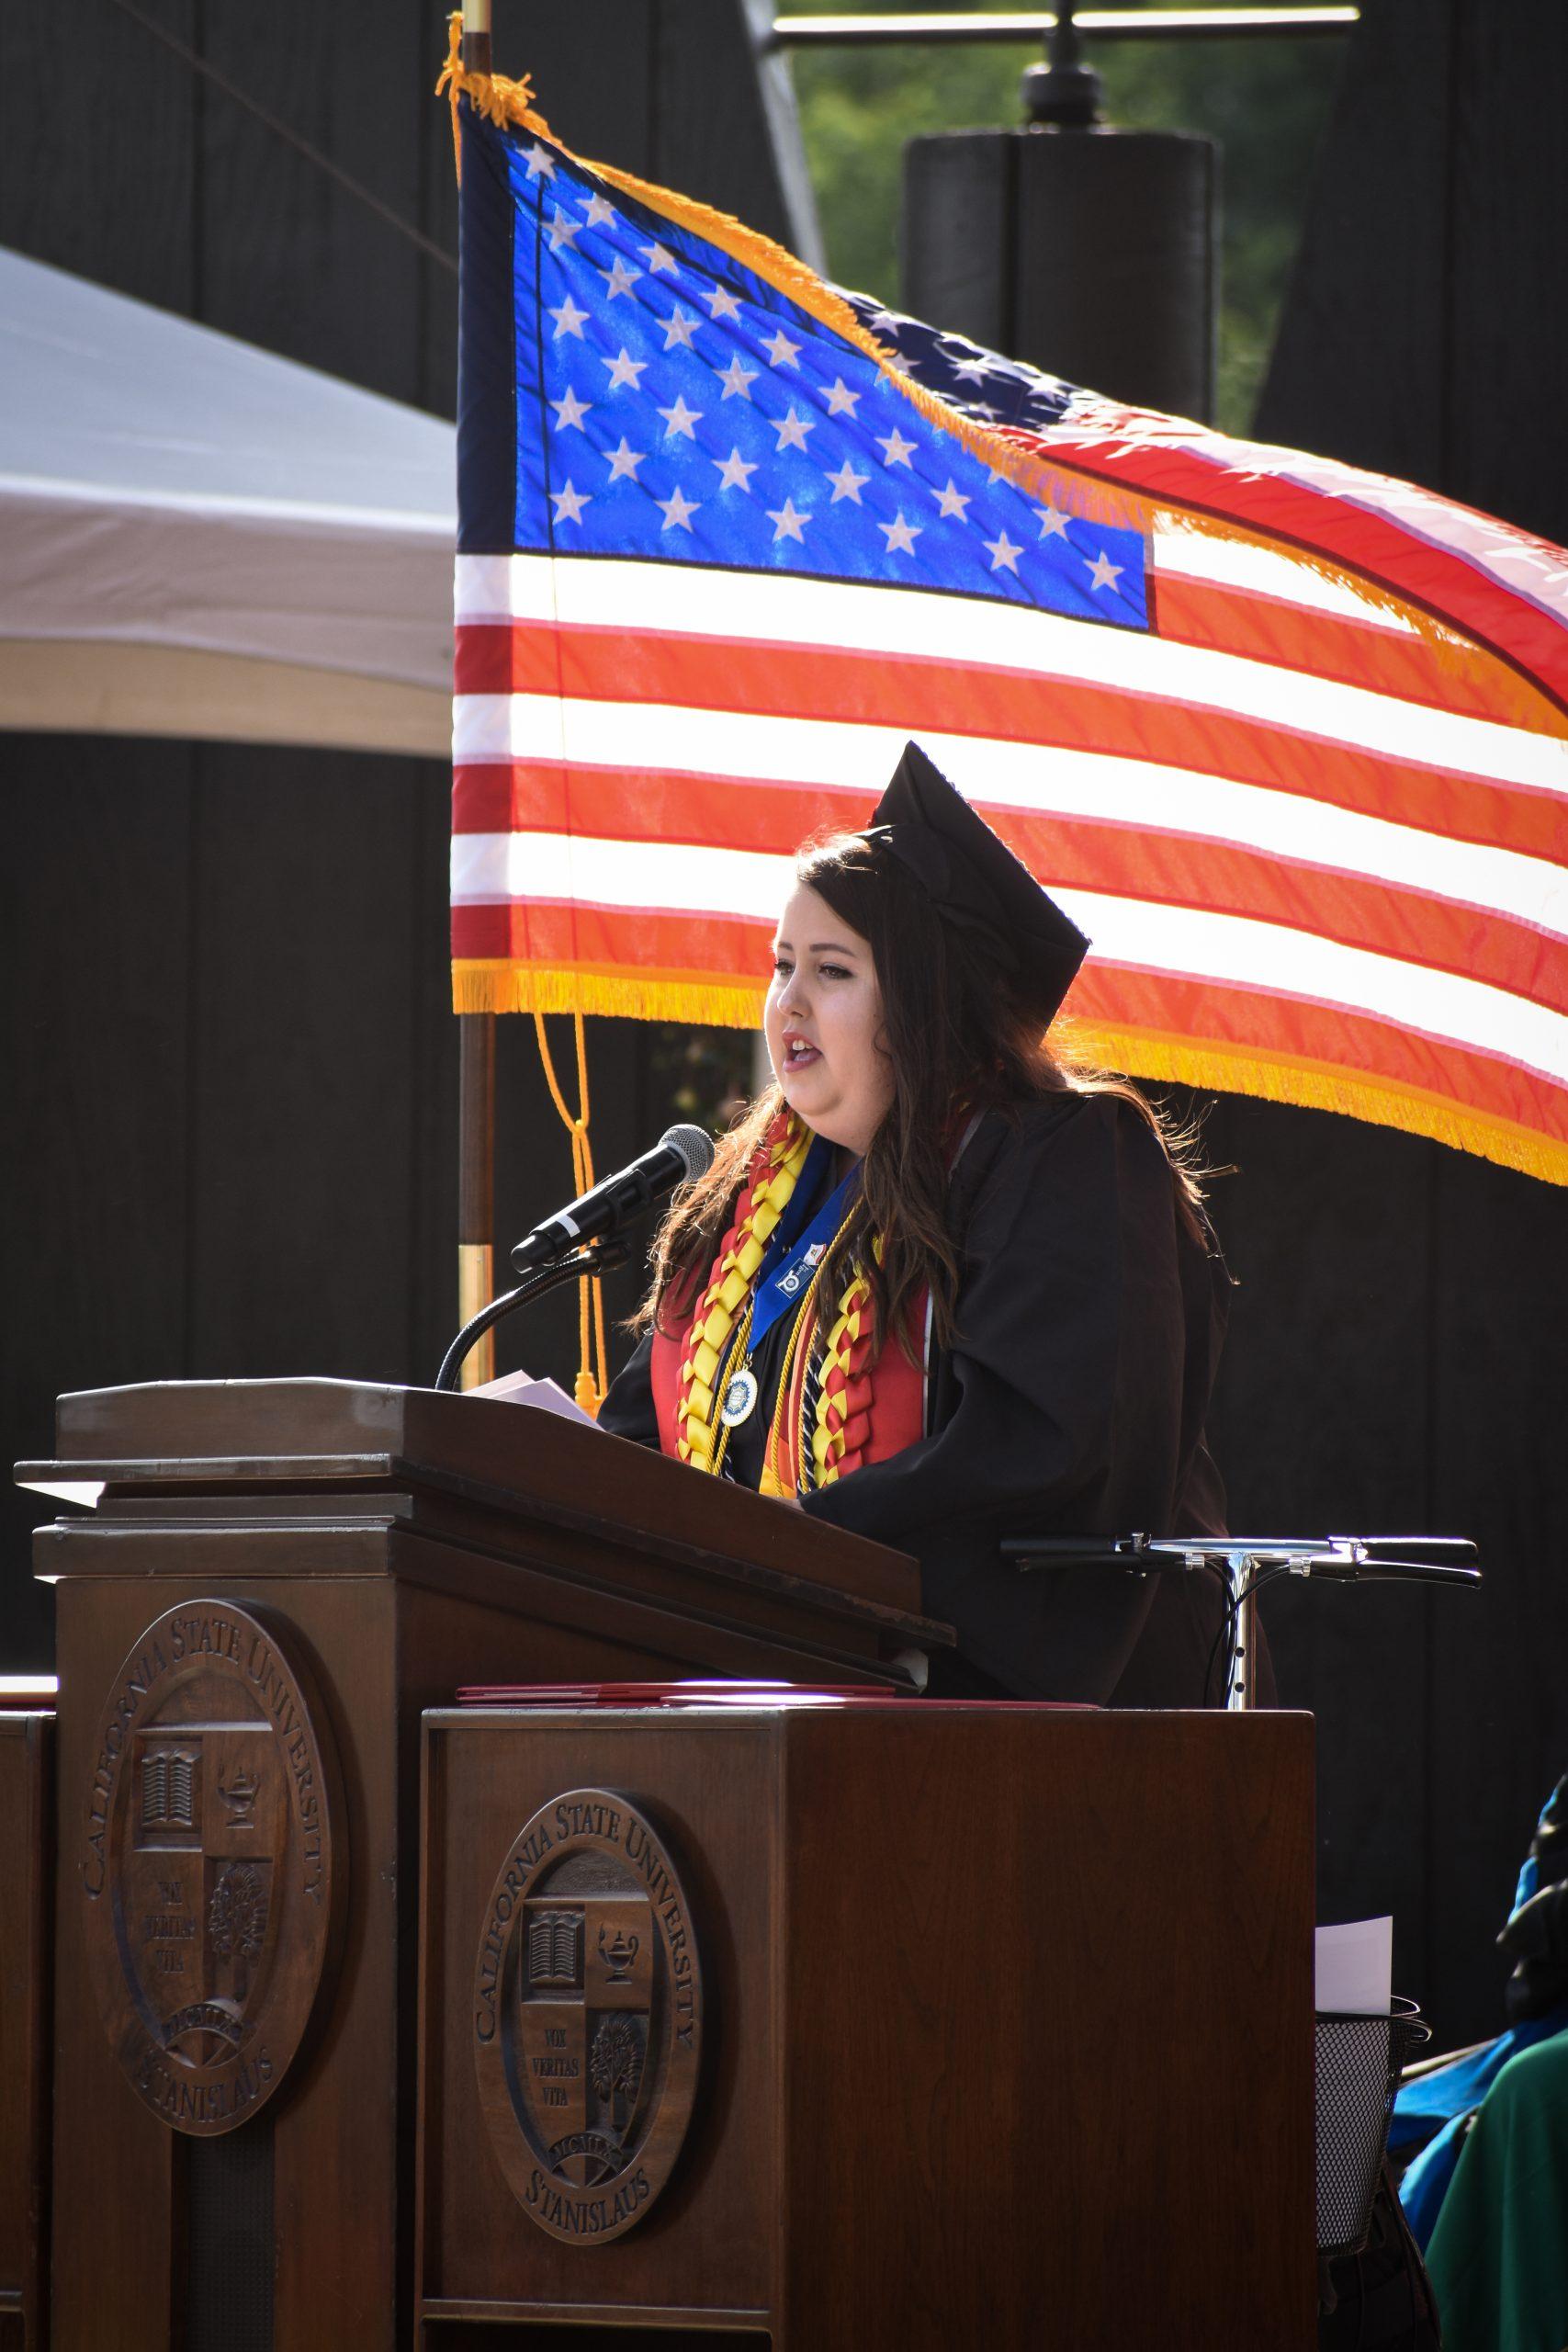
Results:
834 971
780 967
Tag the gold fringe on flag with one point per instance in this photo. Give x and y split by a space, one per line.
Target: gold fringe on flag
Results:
1224 1069
1155 1055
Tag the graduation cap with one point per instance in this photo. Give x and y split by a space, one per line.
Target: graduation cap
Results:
975 881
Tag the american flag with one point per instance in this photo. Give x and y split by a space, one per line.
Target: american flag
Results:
1285 740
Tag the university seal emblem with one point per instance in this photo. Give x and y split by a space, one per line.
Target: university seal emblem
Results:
588 2015
207 1864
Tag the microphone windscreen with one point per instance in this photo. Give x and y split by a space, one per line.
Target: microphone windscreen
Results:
696 1146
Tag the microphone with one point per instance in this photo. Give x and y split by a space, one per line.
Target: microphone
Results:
679 1157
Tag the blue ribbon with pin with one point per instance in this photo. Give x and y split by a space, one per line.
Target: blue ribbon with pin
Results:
800 1240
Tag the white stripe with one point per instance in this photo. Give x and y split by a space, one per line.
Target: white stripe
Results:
1191 553
826 755
644 876
697 600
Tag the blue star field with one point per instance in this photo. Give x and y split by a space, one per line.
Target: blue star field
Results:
674 406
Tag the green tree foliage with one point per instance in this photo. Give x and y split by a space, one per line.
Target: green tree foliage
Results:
1264 101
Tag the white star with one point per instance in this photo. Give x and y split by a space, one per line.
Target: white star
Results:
657 258
624 368
676 510
680 419
969 371
563 231
568 320
1104 573
568 504
792 430
1052 523
983 408
625 460
735 470
900 536
1003 554
679 328
619 279
781 351
540 160
600 214
787 524
899 451
888 320
840 400
847 483
569 411
721 303
736 379
952 502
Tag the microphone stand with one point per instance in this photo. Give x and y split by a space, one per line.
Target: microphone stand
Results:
595 1258
1247 1563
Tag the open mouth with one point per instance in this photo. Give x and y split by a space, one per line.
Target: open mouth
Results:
799 1053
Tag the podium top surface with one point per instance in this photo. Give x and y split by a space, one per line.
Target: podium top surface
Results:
211 1437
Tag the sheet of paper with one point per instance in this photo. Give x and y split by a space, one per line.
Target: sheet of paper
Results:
550 1399
519 1389
1354 1966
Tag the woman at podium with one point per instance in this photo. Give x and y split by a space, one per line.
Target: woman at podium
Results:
939 1286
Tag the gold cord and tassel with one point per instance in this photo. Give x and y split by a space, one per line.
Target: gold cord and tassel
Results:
591 1374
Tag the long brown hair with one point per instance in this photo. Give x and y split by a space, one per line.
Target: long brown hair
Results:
959 1043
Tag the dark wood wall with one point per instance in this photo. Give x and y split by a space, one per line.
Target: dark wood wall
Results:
226 1056
1411 1304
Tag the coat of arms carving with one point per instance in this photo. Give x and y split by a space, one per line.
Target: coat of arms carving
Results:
588 2015
207 1865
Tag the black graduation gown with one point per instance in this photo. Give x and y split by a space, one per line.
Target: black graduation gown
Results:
1071 1402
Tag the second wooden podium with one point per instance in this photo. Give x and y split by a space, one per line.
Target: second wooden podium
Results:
869 2027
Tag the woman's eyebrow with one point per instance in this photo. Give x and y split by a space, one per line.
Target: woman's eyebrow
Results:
819 947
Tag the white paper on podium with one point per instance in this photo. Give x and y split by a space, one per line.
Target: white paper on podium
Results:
1354 1966
545 1396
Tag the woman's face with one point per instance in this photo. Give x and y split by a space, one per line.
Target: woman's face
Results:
823 1024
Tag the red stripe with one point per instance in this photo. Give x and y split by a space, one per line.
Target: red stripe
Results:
1467 679
915 693
1075 853
729 951
1364 541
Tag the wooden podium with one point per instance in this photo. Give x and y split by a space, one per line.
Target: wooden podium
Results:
276 1579
999 2020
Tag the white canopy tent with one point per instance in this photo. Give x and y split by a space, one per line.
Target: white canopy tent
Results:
197 538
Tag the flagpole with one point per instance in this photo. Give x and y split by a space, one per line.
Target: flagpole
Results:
475 36
476 1031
